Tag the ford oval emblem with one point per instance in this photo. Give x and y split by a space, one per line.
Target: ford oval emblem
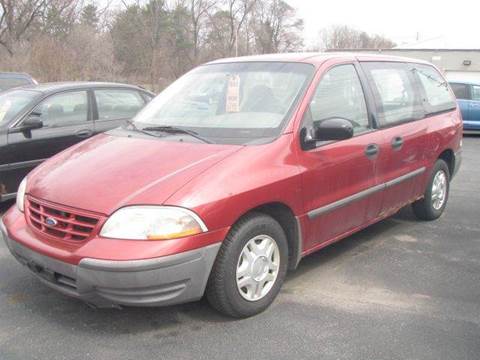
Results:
51 221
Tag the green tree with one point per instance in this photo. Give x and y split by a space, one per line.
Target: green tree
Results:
140 37
57 21
89 16
129 40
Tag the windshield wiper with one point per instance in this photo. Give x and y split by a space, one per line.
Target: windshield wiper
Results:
137 129
177 130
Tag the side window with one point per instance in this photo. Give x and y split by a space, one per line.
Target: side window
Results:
476 92
436 89
118 103
460 91
340 95
396 97
64 109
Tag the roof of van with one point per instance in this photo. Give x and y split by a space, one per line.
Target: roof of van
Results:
316 58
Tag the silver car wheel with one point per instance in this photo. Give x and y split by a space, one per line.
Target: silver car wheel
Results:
257 267
439 190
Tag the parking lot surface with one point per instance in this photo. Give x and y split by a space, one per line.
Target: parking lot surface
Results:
400 289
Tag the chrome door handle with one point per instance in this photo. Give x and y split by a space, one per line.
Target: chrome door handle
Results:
84 133
372 150
397 142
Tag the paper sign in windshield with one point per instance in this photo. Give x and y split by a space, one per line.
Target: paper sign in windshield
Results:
233 94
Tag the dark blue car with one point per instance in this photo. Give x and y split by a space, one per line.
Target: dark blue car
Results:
468 97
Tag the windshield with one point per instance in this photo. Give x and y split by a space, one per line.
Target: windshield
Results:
236 103
13 102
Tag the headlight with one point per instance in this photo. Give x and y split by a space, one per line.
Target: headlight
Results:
152 223
21 195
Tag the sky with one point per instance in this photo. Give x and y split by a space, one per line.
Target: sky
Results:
451 24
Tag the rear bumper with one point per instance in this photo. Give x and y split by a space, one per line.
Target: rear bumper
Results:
159 281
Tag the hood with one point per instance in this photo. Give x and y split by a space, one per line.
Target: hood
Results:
108 172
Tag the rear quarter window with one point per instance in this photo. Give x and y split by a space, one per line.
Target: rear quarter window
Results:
114 104
438 96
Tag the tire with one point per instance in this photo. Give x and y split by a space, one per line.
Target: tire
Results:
426 208
224 292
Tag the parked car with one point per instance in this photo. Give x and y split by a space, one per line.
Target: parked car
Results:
468 97
10 80
224 193
39 121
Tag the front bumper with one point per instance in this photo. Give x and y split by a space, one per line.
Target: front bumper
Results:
158 281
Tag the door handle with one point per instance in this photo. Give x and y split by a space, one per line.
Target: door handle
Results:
372 150
397 142
84 133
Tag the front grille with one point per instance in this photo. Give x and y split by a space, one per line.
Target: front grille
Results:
59 222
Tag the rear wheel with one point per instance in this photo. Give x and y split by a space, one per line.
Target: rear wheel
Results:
435 198
250 267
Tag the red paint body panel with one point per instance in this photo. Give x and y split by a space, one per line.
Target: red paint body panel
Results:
223 182
109 172
394 163
333 172
254 176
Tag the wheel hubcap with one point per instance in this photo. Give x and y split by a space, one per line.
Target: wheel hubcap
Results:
257 267
439 190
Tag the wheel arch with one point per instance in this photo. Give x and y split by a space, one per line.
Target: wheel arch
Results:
449 157
290 224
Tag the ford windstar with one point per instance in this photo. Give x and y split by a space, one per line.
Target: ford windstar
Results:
240 168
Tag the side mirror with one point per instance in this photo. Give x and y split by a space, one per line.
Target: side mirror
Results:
333 129
30 123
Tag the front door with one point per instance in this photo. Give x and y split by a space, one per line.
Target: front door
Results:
66 120
339 178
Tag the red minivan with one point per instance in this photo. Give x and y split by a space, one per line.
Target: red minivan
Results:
233 174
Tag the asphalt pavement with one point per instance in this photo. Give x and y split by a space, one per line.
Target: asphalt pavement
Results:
400 289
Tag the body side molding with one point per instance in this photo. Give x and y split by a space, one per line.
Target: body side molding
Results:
312 214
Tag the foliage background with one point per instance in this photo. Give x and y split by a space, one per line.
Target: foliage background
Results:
151 42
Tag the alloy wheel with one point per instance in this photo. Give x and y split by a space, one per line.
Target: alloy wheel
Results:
439 190
257 267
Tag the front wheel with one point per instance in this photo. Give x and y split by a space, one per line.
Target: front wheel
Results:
435 198
250 267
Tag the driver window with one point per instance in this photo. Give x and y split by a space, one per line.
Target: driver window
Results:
339 95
